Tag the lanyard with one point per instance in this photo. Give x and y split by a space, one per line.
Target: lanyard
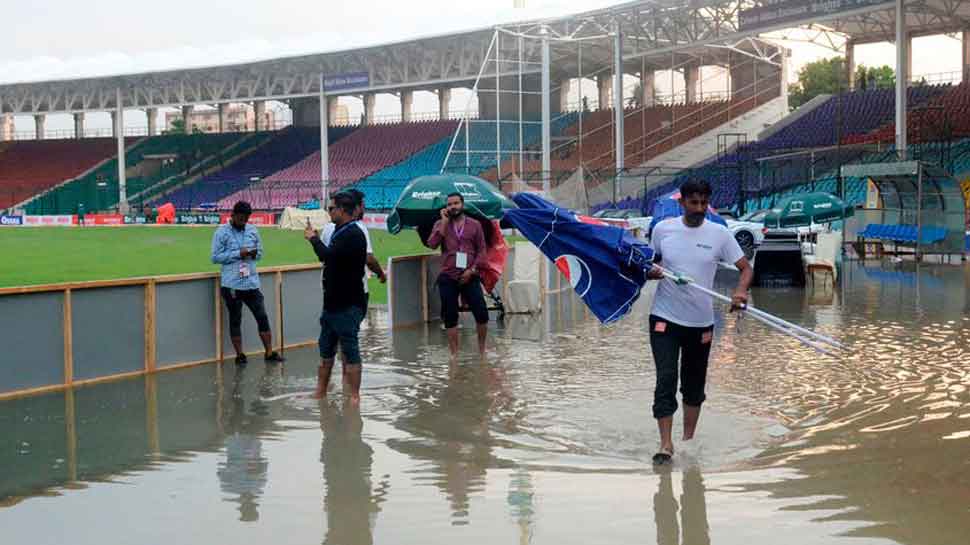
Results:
458 233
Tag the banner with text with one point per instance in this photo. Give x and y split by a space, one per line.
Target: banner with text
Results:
63 220
795 12
11 221
343 82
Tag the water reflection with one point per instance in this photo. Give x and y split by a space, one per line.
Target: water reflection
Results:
350 503
242 475
449 426
555 432
692 519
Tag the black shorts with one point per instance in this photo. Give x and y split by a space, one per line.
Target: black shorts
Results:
671 342
471 294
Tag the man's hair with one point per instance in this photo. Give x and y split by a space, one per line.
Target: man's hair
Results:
357 194
345 201
695 187
242 207
457 194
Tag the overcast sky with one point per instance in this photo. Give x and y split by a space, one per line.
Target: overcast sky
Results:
55 39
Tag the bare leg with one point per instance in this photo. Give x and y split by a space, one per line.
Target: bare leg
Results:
237 345
453 341
267 338
666 425
482 330
323 378
691 416
353 373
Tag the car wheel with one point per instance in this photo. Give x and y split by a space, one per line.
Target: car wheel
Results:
746 241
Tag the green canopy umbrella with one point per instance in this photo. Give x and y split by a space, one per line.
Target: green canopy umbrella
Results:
806 209
424 197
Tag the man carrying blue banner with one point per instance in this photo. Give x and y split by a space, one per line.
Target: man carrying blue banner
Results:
682 319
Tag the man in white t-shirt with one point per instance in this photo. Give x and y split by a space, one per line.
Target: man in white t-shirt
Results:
682 319
372 263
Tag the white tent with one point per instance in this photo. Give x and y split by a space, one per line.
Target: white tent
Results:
296 218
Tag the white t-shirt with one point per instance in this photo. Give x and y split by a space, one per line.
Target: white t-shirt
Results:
327 234
693 252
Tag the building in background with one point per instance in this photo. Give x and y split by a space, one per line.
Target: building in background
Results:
237 118
6 127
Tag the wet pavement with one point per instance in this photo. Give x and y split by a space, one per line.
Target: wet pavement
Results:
548 442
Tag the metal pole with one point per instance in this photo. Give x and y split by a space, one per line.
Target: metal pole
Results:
919 210
902 78
324 147
618 101
546 115
120 135
521 130
582 96
498 110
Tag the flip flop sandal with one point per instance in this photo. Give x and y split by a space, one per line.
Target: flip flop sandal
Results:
662 457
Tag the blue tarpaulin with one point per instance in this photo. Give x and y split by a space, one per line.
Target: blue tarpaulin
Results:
605 265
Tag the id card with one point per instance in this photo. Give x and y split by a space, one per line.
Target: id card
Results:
461 260
243 269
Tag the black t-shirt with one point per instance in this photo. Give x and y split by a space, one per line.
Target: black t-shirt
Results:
344 261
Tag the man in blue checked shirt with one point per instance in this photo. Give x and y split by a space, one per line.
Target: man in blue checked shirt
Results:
237 247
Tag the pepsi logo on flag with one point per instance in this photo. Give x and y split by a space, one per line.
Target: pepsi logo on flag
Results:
576 272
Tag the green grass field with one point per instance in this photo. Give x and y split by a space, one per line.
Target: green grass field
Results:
46 255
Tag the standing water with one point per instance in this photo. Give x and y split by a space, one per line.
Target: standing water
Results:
548 442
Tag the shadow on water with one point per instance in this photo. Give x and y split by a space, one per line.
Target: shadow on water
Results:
547 442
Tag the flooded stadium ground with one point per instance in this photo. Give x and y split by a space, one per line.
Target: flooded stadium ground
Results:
549 443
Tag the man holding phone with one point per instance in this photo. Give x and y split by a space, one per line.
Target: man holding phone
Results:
237 247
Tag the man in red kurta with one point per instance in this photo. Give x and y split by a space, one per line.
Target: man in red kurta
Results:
462 244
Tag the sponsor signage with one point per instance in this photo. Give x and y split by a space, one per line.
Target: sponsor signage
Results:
342 82
136 220
198 219
61 220
777 12
103 219
375 221
9 221
256 218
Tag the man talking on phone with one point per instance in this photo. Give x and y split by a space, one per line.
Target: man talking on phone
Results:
462 244
237 247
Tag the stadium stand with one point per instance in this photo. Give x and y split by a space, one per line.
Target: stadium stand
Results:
30 167
860 112
648 132
273 151
362 153
383 188
149 162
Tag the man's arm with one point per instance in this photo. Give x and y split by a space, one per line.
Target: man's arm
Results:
259 246
437 235
375 267
740 296
322 250
221 255
481 250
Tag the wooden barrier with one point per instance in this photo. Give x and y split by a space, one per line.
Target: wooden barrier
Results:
154 315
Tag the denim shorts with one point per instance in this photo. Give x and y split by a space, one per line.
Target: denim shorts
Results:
341 327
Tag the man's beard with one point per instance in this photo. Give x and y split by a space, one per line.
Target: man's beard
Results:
454 213
694 218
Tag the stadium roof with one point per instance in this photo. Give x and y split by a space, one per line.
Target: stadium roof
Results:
652 29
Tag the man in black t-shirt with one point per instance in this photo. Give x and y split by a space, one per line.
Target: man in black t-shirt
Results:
343 294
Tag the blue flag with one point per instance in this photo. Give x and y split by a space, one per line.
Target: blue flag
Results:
605 265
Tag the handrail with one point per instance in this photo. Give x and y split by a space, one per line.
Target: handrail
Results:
142 280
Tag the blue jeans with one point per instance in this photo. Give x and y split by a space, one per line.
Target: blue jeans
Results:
341 326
